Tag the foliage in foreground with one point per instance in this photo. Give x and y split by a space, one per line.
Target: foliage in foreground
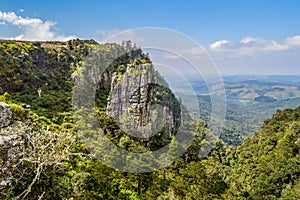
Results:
55 165
49 162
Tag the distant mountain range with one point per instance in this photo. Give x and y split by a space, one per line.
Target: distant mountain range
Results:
285 79
250 100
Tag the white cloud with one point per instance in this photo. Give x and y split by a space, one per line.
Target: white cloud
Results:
117 35
2 23
293 41
104 34
251 45
218 44
193 53
33 28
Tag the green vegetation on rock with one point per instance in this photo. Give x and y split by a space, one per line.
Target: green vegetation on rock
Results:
43 158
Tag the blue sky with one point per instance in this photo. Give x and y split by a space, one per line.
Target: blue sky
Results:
242 36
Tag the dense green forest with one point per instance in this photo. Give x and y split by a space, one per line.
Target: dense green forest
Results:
250 99
42 156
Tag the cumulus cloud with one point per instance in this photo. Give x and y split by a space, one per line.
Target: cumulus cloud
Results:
193 53
105 34
219 44
33 28
117 35
251 45
293 41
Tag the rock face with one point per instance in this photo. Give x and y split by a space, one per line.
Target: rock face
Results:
142 103
6 143
5 114
132 92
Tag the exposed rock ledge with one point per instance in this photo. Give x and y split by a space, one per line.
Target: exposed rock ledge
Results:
142 103
7 141
5 114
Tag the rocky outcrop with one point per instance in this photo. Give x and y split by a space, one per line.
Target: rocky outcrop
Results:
7 142
141 102
126 84
5 114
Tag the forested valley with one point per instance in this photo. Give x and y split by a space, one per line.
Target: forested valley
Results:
42 157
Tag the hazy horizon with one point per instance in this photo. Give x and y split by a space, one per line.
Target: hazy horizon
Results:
248 37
